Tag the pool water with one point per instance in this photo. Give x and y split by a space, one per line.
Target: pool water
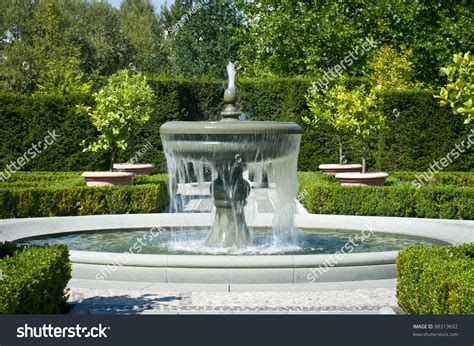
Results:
191 241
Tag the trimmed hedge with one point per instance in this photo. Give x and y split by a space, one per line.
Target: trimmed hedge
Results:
323 195
34 280
51 198
419 131
449 195
436 279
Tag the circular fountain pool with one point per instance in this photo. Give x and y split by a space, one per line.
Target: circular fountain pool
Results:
192 242
104 262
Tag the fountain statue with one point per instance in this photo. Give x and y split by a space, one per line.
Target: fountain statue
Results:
229 147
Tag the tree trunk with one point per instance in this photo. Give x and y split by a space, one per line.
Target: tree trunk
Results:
364 155
131 144
341 152
112 157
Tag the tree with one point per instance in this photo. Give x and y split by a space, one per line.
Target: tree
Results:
459 92
363 116
59 71
51 36
201 36
306 37
139 23
122 107
328 106
94 26
391 70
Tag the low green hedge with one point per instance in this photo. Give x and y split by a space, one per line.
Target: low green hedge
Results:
322 194
34 280
436 279
50 196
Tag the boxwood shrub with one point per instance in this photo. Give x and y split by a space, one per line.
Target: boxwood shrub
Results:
51 196
323 195
34 280
436 279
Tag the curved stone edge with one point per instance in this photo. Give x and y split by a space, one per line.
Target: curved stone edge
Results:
229 127
237 269
333 169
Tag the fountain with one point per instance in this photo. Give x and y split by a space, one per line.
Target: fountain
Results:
146 248
229 146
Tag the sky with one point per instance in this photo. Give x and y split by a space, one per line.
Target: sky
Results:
157 3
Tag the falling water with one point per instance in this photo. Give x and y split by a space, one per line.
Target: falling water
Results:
194 161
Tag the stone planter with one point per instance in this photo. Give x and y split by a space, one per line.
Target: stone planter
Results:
333 169
134 168
362 179
107 178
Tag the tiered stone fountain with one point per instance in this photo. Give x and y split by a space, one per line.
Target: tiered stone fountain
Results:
228 146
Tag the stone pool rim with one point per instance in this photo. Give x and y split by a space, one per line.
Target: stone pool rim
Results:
241 268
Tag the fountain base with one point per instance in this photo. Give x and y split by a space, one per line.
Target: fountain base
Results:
229 229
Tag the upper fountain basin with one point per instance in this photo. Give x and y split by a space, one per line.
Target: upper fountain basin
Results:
221 141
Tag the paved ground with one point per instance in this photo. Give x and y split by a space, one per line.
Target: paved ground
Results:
148 298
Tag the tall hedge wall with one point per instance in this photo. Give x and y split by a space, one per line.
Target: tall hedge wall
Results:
419 131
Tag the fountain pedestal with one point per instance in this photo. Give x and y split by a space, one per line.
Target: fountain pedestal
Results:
230 191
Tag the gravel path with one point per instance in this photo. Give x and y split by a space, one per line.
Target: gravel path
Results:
112 301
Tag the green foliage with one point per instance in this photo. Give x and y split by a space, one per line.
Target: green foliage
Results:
8 249
325 196
201 36
59 72
418 130
49 37
304 38
26 120
391 70
34 280
54 195
459 92
330 107
140 26
436 279
122 107
347 110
